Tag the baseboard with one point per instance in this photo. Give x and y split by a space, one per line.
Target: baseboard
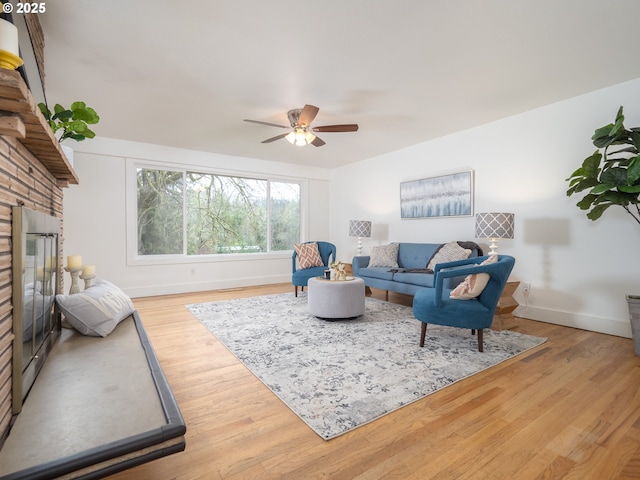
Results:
567 319
155 290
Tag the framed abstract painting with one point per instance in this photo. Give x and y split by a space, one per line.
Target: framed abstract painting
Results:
442 196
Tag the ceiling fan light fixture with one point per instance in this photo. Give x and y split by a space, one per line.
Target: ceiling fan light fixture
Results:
291 137
309 137
299 137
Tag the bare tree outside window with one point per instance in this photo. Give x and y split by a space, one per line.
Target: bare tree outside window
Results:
225 214
218 214
160 219
285 215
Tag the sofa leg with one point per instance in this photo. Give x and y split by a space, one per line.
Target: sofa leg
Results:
386 295
423 333
480 342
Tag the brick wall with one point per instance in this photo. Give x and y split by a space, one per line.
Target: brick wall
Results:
25 181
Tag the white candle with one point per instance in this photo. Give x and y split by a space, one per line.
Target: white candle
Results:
8 37
88 270
74 261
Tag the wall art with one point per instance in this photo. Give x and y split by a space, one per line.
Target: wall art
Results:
443 196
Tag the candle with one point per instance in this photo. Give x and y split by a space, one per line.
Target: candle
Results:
74 261
88 270
9 37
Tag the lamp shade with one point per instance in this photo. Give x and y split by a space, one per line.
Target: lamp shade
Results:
494 225
359 228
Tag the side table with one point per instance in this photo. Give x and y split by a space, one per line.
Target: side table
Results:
503 318
336 299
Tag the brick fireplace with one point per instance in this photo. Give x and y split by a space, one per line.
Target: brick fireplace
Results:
33 174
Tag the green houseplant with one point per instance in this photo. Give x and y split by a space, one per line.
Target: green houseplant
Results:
612 177
72 122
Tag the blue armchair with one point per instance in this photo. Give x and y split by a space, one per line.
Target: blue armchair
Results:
433 305
300 277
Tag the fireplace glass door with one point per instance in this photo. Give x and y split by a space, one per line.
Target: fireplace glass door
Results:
39 287
36 322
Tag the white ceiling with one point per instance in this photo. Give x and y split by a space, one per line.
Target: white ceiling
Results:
186 73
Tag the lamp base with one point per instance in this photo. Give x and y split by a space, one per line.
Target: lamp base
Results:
493 246
359 247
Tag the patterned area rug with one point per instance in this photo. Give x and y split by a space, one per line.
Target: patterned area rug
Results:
339 375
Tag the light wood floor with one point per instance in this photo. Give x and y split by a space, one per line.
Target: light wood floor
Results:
569 409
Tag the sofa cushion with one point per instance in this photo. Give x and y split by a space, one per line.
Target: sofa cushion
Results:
449 252
382 273
384 256
415 255
308 255
422 279
473 285
97 310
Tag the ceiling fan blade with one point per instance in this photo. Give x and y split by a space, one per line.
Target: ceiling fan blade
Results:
350 127
317 142
273 139
307 115
266 123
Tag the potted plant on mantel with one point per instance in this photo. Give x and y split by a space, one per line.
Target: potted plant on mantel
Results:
72 122
612 176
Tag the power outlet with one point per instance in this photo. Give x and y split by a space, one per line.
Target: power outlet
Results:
526 289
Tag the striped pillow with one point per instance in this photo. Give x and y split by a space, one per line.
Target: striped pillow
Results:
308 255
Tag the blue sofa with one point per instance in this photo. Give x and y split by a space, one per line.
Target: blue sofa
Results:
413 257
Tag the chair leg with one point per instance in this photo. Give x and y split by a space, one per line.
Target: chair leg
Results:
480 342
423 333
296 289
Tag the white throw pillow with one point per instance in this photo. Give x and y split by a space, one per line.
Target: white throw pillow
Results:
449 252
97 310
473 284
384 256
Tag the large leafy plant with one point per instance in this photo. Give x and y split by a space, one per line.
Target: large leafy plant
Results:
612 174
71 122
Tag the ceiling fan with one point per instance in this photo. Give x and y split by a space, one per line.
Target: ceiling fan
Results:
302 132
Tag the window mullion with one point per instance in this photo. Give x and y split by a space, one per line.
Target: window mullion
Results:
184 213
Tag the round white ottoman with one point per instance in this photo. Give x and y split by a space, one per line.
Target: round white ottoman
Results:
336 299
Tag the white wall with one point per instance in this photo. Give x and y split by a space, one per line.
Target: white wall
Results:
95 219
579 270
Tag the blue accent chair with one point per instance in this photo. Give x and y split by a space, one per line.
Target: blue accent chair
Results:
433 305
301 277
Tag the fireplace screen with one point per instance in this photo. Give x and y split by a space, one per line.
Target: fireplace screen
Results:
36 324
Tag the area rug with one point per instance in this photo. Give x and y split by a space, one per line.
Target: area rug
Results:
339 375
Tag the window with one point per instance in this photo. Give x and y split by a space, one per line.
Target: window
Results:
195 213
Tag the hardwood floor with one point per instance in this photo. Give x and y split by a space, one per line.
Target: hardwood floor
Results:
570 409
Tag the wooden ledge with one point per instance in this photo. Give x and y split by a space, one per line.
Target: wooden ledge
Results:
38 137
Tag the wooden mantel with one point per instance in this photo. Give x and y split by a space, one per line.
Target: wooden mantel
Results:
20 114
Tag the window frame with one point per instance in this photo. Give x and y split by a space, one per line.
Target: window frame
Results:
131 195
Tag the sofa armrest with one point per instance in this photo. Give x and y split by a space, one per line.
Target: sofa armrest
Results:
359 262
